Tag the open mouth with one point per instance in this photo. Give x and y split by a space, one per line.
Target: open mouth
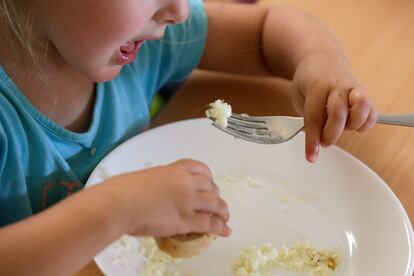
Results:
130 47
128 51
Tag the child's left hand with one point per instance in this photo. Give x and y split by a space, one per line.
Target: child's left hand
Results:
331 99
288 43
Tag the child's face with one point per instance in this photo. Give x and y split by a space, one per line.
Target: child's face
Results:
98 37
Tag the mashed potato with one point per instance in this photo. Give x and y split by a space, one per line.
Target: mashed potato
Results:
158 263
219 111
300 257
255 261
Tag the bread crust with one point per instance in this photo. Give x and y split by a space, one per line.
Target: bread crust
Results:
185 246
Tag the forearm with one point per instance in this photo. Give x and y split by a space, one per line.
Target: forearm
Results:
290 36
60 240
263 41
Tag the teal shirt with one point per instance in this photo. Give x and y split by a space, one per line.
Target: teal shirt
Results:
41 162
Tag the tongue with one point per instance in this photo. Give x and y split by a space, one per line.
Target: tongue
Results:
128 47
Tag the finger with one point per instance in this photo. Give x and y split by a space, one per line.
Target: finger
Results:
211 203
197 167
372 118
359 109
298 100
315 117
204 184
337 113
206 223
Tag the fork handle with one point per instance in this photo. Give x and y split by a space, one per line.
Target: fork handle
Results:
396 119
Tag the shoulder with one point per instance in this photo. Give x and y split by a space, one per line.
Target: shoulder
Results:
183 44
191 32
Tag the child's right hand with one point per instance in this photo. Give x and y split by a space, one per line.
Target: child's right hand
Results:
168 200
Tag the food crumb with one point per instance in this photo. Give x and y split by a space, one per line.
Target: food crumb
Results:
253 182
300 257
123 244
103 172
121 261
255 261
157 262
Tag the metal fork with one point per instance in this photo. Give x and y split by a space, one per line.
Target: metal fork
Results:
279 129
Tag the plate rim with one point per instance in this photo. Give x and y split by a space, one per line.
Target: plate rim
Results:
387 189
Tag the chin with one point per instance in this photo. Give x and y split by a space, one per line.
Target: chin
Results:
105 75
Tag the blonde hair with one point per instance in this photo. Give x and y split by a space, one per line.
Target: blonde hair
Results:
16 23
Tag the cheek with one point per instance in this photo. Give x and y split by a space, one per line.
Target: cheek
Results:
104 39
88 42
82 52
95 60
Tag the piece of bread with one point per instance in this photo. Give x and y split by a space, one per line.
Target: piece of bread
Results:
185 246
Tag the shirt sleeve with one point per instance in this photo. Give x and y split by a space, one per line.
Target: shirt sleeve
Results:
14 199
187 42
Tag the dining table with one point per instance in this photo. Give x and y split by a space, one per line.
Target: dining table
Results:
378 36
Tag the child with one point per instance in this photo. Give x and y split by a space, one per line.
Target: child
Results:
76 80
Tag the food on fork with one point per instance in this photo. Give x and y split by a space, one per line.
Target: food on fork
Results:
219 111
185 246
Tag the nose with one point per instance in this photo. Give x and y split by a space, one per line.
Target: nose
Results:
173 12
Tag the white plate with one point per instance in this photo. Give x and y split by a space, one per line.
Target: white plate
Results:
337 204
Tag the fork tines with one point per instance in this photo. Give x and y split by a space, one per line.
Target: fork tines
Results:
248 128
247 118
244 122
263 129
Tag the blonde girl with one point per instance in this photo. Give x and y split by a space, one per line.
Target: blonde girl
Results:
77 78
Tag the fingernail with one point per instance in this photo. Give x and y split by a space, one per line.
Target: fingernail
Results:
313 157
227 231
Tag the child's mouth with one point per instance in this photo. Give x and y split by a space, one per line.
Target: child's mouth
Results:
128 52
